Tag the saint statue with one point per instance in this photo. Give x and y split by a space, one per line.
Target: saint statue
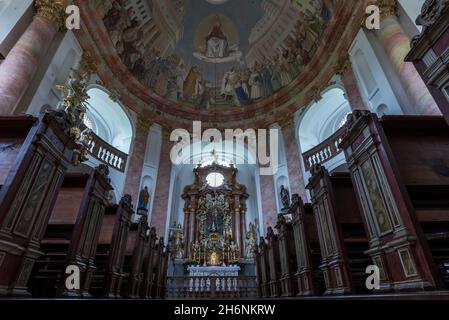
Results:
216 42
144 197
285 197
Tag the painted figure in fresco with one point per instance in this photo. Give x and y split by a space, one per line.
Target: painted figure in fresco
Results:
229 83
285 197
255 82
144 198
216 41
192 83
266 75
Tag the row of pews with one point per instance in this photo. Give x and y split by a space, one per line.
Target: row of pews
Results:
56 217
388 208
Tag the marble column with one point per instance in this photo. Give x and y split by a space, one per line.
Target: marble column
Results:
160 205
294 158
396 44
346 72
136 160
20 65
268 198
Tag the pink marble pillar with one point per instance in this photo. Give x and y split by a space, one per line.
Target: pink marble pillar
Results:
268 199
20 65
352 89
396 44
294 158
160 205
136 161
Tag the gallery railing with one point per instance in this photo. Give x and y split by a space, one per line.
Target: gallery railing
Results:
325 151
211 287
107 154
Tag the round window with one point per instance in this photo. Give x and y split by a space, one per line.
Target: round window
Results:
215 179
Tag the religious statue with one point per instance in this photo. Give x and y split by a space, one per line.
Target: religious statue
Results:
196 254
285 197
216 42
144 197
233 252
251 241
214 259
177 241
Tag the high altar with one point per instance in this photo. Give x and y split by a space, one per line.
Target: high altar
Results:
214 237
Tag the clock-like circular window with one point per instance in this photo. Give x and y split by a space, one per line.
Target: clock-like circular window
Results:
215 179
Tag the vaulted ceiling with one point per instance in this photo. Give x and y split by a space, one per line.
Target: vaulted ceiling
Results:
226 62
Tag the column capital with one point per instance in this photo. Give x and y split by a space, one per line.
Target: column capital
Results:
342 65
53 10
388 8
142 122
287 121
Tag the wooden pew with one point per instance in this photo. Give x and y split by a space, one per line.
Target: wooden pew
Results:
309 279
287 257
149 266
274 263
341 232
264 268
72 234
161 275
34 156
135 277
400 169
110 255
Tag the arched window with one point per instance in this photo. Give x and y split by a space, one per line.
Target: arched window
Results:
108 120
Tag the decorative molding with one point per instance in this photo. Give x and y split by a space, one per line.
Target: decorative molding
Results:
343 64
388 8
142 122
53 10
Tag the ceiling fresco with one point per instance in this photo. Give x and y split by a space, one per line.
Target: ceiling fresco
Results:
215 53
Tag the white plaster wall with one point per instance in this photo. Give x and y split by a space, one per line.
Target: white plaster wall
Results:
15 16
372 80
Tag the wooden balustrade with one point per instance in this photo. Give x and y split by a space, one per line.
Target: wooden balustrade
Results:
211 287
107 154
325 151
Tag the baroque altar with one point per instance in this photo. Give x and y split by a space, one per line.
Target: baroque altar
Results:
214 234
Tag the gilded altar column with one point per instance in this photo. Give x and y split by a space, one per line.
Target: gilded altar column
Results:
237 223
20 65
346 72
192 220
396 44
186 232
137 159
242 231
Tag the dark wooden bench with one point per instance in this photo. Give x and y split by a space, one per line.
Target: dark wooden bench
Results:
72 234
342 236
34 157
400 169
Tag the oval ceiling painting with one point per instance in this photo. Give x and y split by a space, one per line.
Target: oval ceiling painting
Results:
217 53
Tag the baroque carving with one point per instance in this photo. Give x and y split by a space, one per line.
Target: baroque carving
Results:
53 10
430 12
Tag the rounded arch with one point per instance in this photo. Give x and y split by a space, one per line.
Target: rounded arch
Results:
109 119
323 118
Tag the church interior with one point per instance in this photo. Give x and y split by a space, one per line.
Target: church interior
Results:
238 149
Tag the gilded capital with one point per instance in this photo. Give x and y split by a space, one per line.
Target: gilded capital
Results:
143 123
53 10
388 8
342 65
